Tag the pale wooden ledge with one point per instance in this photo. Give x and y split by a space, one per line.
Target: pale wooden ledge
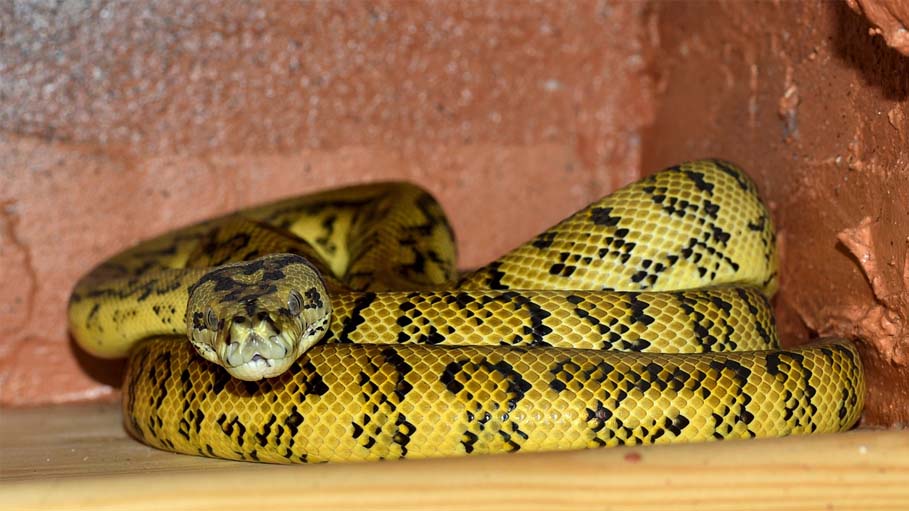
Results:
78 457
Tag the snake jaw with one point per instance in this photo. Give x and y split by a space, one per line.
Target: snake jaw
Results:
260 351
259 358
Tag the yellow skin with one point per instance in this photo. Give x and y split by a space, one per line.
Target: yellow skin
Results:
623 324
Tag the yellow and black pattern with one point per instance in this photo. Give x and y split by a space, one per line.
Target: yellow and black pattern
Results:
710 320
369 402
690 226
643 318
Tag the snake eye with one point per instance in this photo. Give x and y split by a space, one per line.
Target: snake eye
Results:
295 303
211 319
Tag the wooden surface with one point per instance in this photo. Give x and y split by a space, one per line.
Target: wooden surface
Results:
78 457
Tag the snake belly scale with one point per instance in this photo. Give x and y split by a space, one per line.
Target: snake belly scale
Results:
335 327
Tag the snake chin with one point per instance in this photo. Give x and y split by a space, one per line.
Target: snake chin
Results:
259 368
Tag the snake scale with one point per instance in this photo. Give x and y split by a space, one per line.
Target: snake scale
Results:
341 330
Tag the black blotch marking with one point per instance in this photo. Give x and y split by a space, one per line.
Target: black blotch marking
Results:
731 170
544 240
637 307
494 281
603 216
356 318
676 424
315 384
314 298
698 179
293 422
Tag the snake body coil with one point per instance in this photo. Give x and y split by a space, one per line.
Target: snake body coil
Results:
643 318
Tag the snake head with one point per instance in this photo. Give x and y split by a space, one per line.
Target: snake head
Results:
255 318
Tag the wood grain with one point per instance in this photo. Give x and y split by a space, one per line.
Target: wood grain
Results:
78 457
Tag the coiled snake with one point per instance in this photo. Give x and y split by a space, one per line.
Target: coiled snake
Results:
572 340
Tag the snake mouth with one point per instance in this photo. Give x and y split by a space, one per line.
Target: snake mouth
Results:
253 350
259 367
